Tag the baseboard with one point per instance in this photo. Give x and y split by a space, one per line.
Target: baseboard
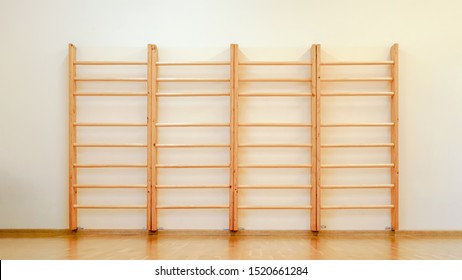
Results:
34 232
237 233
141 232
430 233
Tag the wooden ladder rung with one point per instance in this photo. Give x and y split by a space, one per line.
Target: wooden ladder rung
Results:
192 207
273 207
110 124
104 94
353 63
192 186
355 207
137 80
110 165
192 165
265 187
385 165
192 80
328 94
115 63
356 124
274 145
276 80
374 145
83 145
110 186
378 79
78 206
274 63
179 94
192 145
274 166
275 94
346 187
275 124
191 124
192 63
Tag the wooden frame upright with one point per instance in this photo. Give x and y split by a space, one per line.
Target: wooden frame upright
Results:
152 138
394 150
234 139
72 139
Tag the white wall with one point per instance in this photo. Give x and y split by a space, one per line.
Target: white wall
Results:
33 83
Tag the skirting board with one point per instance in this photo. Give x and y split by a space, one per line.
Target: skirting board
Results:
121 232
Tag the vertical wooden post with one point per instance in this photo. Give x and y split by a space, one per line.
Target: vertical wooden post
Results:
318 137
149 141
72 140
152 128
394 137
313 174
234 145
231 138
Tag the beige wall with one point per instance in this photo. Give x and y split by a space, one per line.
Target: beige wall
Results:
33 87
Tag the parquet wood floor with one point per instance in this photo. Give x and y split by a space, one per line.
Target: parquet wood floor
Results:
140 245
